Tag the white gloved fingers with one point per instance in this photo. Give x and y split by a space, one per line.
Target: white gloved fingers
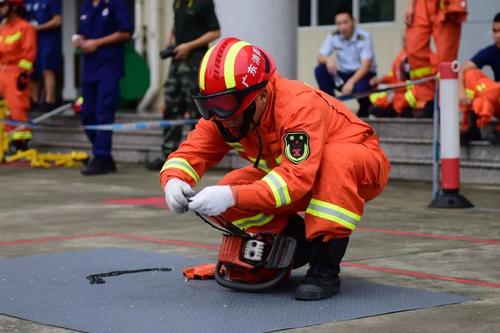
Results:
188 191
212 200
177 193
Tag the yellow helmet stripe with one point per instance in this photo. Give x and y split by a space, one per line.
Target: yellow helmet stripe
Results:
203 67
229 63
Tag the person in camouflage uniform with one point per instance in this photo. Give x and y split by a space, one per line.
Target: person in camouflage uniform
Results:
195 26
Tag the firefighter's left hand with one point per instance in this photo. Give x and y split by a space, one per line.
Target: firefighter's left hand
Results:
212 200
89 46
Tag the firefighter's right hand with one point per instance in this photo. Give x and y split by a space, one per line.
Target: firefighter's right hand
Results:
177 193
22 81
463 99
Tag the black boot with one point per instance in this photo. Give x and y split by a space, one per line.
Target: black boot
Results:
297 230
494 137
322 279
99 166
473 133
407 113
427 111
382 113
16 146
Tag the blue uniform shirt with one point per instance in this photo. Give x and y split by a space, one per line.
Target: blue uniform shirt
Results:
108 17
351 51
489 56
41 12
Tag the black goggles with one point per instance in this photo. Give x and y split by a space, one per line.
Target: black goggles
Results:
224 104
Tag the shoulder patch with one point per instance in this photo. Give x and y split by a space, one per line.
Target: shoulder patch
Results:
297 147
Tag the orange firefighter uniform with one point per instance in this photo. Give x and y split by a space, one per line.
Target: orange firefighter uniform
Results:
441 19
485 96
401 98
317 157
17 54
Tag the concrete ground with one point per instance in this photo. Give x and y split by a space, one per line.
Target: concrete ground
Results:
402 242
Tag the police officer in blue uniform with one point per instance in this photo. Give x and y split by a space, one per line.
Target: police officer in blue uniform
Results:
46 17
104 27
347 61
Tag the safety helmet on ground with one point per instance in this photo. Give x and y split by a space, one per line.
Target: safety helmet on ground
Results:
230 75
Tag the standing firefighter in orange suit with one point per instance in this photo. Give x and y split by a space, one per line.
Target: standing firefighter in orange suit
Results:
441 19
308 153
17 54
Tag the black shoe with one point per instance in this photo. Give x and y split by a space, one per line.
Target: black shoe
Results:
99 166
427 111
363 112
494 137
35 107
155 165
17 146
382 113
407 113
473 133
322 278
297 230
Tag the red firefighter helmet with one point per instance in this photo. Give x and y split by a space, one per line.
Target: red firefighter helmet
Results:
230 75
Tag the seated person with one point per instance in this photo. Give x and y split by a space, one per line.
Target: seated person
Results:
489 56
347 61
485 96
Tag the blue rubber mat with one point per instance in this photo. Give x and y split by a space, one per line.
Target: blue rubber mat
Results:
52 289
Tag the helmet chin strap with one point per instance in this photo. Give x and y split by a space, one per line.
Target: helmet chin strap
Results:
248 120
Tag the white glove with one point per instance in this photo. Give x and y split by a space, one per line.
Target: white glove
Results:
212 200
177 193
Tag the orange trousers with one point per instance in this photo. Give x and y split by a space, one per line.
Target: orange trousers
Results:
18 102
485 95
446 35
349 175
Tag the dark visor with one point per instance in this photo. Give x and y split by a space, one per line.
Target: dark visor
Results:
224 104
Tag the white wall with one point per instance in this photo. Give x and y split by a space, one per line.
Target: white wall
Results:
271 24
476 32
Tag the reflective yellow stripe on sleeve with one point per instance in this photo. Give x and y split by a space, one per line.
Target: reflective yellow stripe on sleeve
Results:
469 93
25 64
236 146
20 135
420 72
262 164
253 221
13 38
181 164
279 188
333 213
410 98
376 96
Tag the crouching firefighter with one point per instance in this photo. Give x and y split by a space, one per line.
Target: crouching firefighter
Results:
17 54
308 153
